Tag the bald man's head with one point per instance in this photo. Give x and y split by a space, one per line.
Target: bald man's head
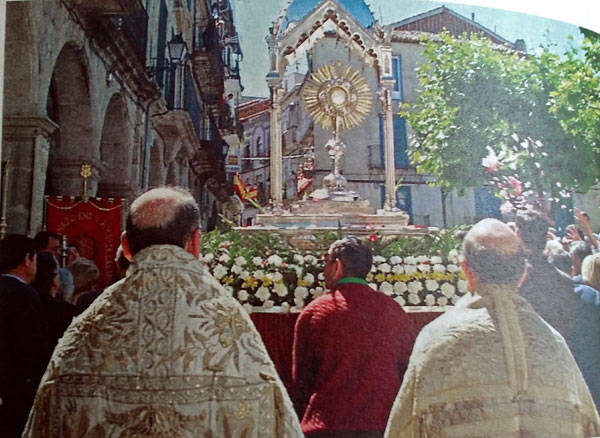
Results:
163 216
493 252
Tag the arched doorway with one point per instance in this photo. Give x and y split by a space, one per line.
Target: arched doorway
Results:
69 105
115 151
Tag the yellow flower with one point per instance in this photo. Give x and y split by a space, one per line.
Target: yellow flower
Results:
228 279
390 278
303 283
369 277
380 278
266 281
250 282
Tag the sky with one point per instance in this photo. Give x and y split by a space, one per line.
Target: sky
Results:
253 18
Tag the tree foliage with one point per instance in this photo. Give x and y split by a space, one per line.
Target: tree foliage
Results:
539 115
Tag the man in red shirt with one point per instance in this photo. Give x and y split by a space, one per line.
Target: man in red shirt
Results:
351 348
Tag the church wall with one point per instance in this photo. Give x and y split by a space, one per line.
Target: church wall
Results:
37 34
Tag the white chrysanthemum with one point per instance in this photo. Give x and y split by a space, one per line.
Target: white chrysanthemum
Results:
423 267
299 303
400 287
262 293
385 268
301 292
414 299
395 260
410 269
442 301
274 260
240 261
244 274
268 304
462 286
454 299
309 278
298 259
398 269
410 260
298 270
257 261
448 290
400 300
452 268
431 285
280 289
435 260
310 259
228 289
275 276
208 257
378 259
243 295
453 256
415 286
386 288
224 258
236 269
285 307
439 268
373 286
317 291
220 271
321 276
429 300
422 259
259 274
248 307
373 268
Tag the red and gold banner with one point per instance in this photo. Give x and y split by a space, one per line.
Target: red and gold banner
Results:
93 226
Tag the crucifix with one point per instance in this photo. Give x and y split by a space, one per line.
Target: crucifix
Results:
86 172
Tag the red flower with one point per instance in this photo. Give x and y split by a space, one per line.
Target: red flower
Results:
373 237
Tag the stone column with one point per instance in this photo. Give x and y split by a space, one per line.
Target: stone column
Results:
390 159
276 157
27 146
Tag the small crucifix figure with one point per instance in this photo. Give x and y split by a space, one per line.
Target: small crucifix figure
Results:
86 172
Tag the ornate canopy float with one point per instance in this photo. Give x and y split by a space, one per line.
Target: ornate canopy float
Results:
340 91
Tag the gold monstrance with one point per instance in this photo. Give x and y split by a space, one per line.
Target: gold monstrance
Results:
338 97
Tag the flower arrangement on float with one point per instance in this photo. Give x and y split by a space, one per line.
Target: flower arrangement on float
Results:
262 271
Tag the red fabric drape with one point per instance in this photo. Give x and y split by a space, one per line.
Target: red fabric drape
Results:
277 332
94 227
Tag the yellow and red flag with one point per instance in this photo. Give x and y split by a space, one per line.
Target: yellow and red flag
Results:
239 188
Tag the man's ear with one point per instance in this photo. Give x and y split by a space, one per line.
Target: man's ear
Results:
125 247
338 269
193 244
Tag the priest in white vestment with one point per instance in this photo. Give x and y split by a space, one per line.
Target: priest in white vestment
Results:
165 352
491 367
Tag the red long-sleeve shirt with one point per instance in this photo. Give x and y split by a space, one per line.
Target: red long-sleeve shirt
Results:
351 348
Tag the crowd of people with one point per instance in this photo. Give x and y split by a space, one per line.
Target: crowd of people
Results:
166 351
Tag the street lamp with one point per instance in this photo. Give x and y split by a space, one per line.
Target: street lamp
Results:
177 49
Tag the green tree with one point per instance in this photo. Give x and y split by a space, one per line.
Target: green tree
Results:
532 120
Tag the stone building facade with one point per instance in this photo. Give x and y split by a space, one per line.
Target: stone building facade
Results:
141 91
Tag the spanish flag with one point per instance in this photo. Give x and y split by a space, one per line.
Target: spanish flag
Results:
252 192
239 188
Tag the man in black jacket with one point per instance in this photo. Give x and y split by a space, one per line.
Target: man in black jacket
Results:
23 345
